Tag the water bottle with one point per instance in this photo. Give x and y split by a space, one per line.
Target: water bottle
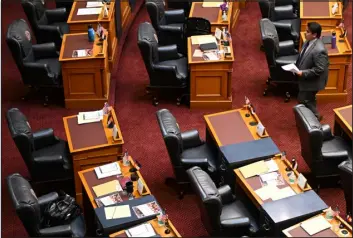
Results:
90 33
333 40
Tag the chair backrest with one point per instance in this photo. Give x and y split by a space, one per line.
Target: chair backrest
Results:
147 41
345 169
266 8
155 9
310 134
209 200
19 40
21 133
270 41
171 135
197 26
26 203
35 12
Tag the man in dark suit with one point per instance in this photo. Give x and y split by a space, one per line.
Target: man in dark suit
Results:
313 68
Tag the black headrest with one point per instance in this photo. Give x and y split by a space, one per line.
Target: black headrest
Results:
19 34
18 123
167 123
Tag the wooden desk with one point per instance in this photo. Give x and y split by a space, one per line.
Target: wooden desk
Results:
214 15
125 10
91 145
298 231
319 11
230 127
210 80
79 24
249 185
340 58
343 121
86 80
158 229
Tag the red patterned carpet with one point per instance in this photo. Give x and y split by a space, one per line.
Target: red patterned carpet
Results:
136 116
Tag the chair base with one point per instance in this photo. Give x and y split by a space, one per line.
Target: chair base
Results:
179 93
43 94
271 85
181 188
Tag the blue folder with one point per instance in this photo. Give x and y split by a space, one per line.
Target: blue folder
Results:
240 154
114 225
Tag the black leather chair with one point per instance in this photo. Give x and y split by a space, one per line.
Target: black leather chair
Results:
30 209
47 157
48 25
221 213
180 4
284 18
196 26
167 69
38 64
321 150
278 53
345 169
185 149
168 24
67 4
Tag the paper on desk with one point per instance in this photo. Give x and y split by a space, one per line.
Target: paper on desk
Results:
271 165
269 176
106 188
315 225
197 53
291 68
88 117
254 169
144 230
203 39
283 193
94 4
210 56
334 9
89 11
117 212
211 4
107 170
266 191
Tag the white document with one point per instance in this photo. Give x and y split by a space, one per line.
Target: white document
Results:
269 176
203 39
197 53
272 165
315 225
81 53
211 4
218 34
266 191
144 230
101 175
88 117
146 210
94 4
334 8
140 186
291 68
117 212
89 11
301 181
283 193
210 56
260 129
107 168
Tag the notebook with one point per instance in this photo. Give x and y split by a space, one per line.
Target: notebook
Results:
208 46
326 39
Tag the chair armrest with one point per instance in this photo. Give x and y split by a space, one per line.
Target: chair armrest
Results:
191 139
283 26
168 29
50 159
226 194
284 12
326 129
286 48
56 231
189 163
32 68
168 52
56 15
46 50
175 16
335 155
44 138
46 199
235 222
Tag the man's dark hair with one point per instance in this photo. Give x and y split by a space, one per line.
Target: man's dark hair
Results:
315 28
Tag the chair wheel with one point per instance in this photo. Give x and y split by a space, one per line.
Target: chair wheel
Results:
155 101
265 92
287 99
181 195
262 48
147 92
178 101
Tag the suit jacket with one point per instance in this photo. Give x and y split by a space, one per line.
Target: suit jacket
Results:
314 65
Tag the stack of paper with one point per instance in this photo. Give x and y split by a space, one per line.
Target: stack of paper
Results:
116 212
211 4
147 209
108 170
272 165
203 39
254 169
106 188
283 193
144 230
266 192
94 4
109 200
291 68
315 225
89 11
88 117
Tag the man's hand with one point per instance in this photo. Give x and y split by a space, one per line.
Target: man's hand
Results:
300 73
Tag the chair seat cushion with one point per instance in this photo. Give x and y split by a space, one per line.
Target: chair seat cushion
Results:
181 65
202 151
64 27
54 66
288 59
236 210
78 227
335 145
180 26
